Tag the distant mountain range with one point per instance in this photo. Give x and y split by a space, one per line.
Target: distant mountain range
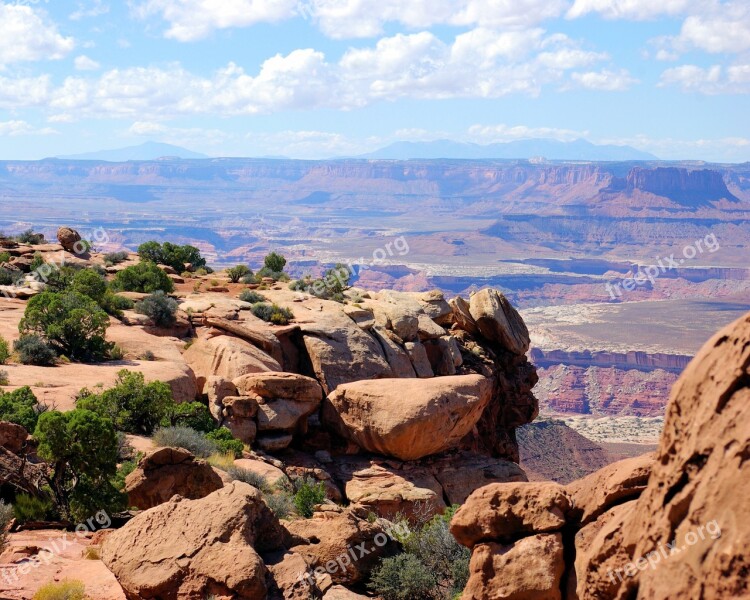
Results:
145 151
521 149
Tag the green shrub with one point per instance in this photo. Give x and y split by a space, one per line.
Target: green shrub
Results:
172 255
37 262
132 405
160 308
6 515
60 279
29 237
145 277
89 283
4 257
81 448
274 262
251 278
251 296
34 350
308 494
148 356
28 508
238 272
72 323
123 471
404 577
21 407
272 313
4 377
113 304
65 590
249 477
4 351
8 277
193 415
115 258
226 442
281 504
184 437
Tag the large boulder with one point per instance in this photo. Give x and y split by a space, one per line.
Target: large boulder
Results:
69 239
529 569
191 549
498 321
408 418
226 357
340 351
464 473
164 472
507 511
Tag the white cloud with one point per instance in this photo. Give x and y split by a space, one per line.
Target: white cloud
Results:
605 80
27 35
489 134
365 18
478 64
721 28
716 79
84 63
17 128
638 10
24 92
191 20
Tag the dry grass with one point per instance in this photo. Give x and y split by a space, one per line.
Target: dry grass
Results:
67 589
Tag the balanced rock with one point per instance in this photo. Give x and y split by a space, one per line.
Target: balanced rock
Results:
69 239
498 321
165 472
192 549
408 418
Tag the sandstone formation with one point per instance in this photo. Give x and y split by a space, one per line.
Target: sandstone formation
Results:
408 419
667 527
155 556
227 357
166 472
69 239
498 321
12 436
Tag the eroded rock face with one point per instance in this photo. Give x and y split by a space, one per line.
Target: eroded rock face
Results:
190 549
529 569
407 418
625 521
498 321
165 472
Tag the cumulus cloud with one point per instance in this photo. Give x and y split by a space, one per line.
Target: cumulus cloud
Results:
191 20
716 79
27 35
638 10
721 28
478 64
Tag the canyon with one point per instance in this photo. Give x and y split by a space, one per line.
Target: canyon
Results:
550 234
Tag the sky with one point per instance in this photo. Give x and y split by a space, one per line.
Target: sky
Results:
323 78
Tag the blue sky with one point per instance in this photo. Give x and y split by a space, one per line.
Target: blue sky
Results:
321 78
